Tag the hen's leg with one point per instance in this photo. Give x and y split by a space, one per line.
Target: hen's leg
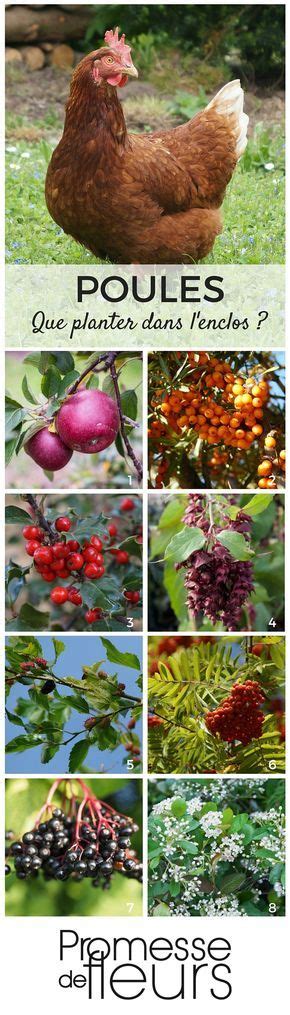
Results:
180 239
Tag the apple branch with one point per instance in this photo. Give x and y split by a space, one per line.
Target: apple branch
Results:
108 363
128 445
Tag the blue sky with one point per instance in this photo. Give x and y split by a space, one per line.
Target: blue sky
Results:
80 650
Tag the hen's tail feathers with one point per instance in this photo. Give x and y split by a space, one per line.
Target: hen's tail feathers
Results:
229 102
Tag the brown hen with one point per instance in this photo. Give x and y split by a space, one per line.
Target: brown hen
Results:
148 198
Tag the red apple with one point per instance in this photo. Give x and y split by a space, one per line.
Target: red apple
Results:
88 421
48 450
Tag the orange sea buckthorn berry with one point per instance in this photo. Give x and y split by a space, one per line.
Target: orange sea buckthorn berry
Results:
265 468
271 485
270 442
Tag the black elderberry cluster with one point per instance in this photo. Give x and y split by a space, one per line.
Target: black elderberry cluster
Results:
62 851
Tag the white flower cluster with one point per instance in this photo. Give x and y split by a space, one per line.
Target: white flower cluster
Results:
164 806
275 845
221 905
211 824
192 889
279 889
194 805
218 906
255 787
264 817
231 846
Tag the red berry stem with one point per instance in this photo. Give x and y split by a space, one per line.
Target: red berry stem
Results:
40 516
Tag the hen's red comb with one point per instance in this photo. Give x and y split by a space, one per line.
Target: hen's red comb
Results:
112 40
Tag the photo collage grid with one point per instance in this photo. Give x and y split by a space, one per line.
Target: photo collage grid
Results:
144 503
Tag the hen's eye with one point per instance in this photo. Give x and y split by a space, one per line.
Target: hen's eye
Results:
109 59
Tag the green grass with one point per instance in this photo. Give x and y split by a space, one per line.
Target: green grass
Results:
253 210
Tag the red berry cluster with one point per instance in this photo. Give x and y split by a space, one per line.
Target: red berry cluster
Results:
154 720
238 717
38 661
56 557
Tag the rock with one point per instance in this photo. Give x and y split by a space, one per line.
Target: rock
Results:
12 55
33 57
62 56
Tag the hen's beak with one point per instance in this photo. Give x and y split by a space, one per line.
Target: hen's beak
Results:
131 71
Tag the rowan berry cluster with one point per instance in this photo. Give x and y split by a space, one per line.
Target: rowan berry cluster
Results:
57 557
222 408
91 841
167 646
239 717
154 720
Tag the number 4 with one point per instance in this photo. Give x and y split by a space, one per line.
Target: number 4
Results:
272 622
